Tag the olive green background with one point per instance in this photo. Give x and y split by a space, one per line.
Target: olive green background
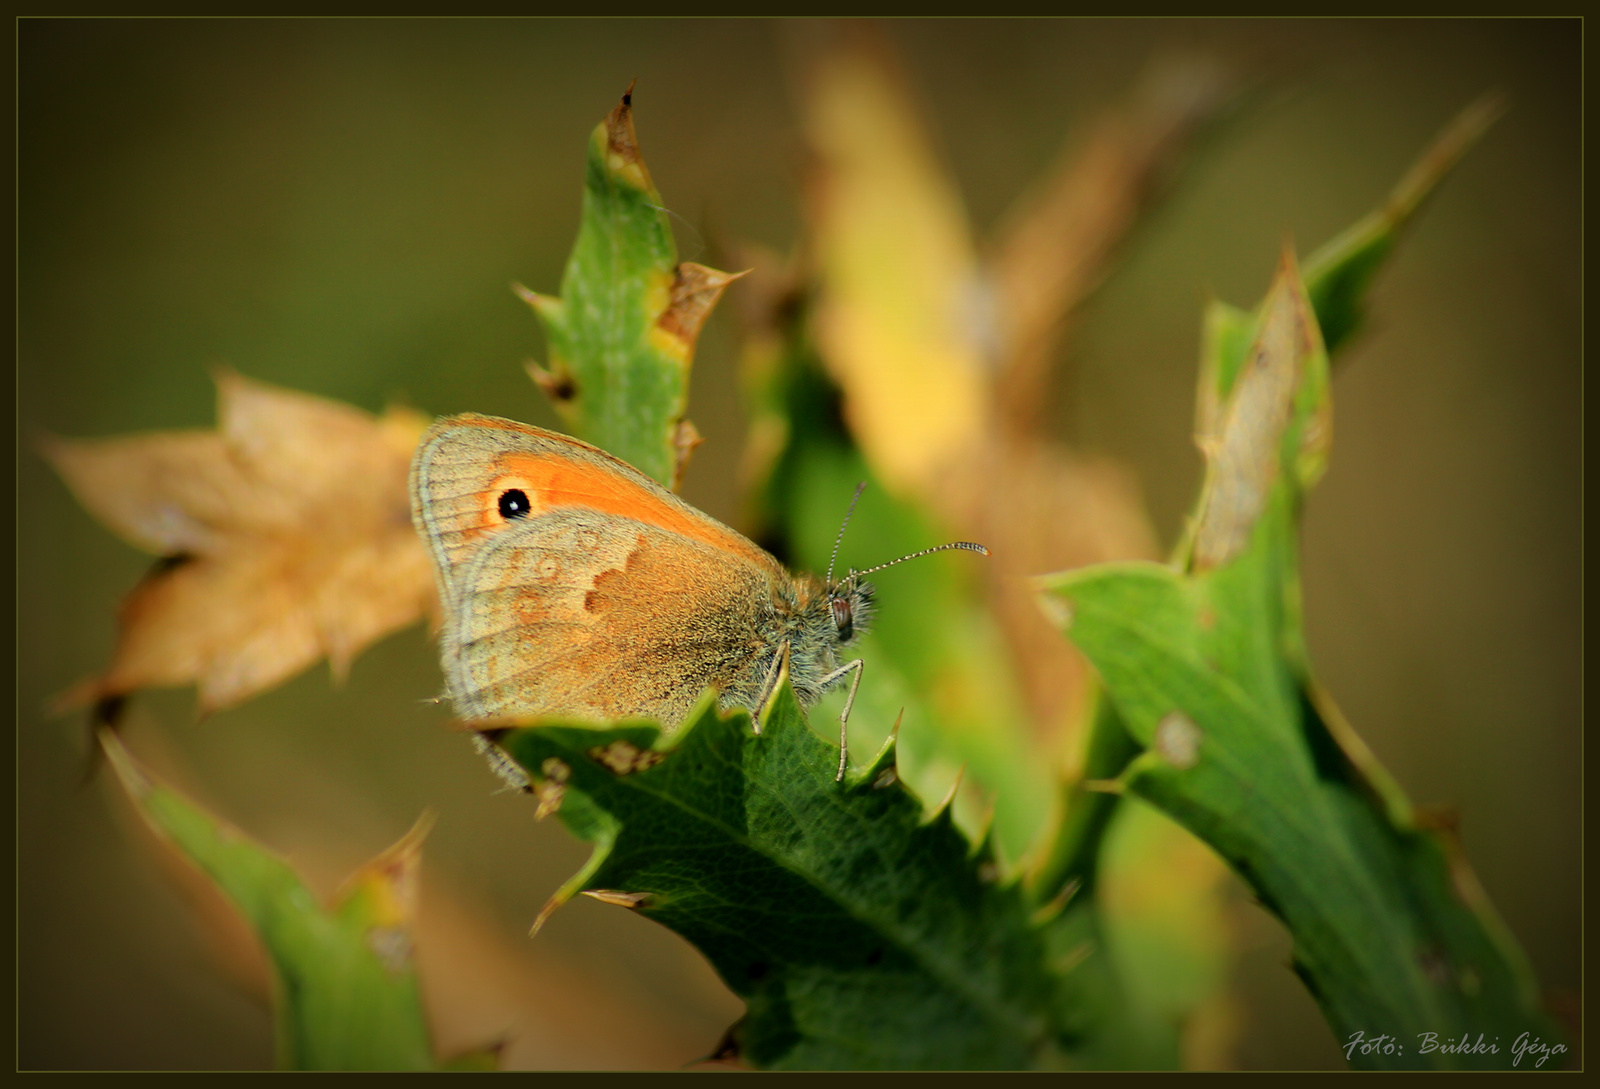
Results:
339 206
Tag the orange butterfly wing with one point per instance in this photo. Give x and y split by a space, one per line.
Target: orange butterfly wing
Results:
608 597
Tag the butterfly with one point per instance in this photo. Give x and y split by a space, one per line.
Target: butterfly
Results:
572 584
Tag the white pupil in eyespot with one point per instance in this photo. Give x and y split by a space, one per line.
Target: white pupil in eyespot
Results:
514 503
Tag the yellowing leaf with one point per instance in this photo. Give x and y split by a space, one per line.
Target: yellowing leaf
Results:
287 534
1243 437
945 362
899 276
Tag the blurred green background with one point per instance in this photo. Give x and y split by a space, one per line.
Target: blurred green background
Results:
339 206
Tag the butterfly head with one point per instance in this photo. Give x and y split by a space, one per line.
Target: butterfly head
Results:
850 599
850 604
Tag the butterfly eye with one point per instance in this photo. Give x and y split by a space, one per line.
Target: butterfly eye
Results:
514 504
842 619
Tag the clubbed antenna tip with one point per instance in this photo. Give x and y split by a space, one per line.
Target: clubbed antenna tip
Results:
965 546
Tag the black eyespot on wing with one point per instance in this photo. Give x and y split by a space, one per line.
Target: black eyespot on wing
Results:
514 504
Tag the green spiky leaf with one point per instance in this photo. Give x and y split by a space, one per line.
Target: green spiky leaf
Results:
622 334
346 995
860 932
1337 278
1206 667
1339 274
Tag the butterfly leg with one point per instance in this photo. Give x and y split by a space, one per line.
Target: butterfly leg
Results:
502 765
769 684
849 702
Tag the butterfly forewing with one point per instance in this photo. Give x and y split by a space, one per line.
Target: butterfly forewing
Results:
467 464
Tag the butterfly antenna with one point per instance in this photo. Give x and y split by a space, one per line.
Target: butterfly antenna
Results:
965 546
861 487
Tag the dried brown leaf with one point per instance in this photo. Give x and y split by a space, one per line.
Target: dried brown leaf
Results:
288 532
695 291
686 438
622 142
1059 238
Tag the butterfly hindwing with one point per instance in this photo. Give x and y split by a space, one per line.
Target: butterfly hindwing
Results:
583 613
